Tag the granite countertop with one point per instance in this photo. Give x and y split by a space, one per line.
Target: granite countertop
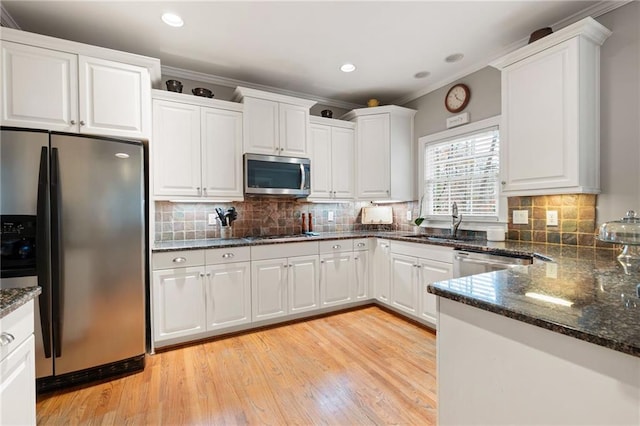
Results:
12 298
605 307
606 304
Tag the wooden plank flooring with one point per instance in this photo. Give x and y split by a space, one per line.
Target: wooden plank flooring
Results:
365 366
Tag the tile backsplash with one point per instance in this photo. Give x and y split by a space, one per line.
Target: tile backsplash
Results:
576 220
268 216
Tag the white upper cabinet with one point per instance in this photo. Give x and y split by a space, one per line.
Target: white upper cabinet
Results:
114 98
274 124
39 88
384 148
332 149
197 148
550 133
55 84
176 149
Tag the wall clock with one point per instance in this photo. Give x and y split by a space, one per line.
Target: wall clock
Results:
457 98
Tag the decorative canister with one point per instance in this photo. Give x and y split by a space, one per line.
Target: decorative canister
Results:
174 86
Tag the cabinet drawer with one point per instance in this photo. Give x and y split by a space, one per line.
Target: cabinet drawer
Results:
178 259
16 328
275 251
361 244
335 246
227 255
424 251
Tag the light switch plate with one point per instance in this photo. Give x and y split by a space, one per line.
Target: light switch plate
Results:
212 218
409 215
520 217
552 218
330 217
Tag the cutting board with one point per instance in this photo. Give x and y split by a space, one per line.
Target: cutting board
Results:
377 215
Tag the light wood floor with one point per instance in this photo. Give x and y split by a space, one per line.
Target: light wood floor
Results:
360 367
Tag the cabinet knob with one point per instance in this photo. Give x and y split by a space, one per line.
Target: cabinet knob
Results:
228 255
384 245
202 274
6 338
322 261
387 191
179 259
504 182
205 190
82 123
281 149
337 246
285 266
356 258
361 244
72 122
208 274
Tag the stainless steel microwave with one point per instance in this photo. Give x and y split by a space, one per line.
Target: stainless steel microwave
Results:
274 175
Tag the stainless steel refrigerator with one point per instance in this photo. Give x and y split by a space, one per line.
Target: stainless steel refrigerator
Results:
73 222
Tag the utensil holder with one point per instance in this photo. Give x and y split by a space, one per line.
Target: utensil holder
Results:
226 232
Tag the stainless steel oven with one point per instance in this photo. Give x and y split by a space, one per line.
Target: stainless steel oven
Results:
467 263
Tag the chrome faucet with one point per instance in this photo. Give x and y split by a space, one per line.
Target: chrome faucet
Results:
455 219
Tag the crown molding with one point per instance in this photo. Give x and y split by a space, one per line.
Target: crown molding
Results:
594 11
6 20
233 83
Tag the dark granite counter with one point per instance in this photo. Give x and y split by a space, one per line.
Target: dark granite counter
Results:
592 298
12 298
605 306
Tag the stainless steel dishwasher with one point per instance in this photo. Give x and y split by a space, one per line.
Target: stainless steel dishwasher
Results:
467 262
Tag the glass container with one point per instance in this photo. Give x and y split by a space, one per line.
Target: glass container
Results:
625 231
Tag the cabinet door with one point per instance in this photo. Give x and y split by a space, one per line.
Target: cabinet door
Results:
261 135
373 157
430 272
176 149
228 289
382 270
268 289
539 134
39 88
404 283
178 302
18 385
115 98
320 150
293 130
304 287
342 161
221 136
336 279
361 276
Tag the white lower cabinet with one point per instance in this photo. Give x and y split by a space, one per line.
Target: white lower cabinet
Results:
18 368
381 270
179 302
284 279
228 290
196 292
413 267
337 272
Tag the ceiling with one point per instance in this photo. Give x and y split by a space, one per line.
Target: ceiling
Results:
299 46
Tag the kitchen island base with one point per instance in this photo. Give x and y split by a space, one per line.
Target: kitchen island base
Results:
497 370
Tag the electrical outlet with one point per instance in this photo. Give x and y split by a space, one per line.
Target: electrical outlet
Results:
552 218
520 217
212 218
408 215
330 217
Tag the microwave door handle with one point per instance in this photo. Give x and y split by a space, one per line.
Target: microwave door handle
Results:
303 173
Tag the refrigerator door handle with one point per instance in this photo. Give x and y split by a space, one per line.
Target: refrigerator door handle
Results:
42 258
56 250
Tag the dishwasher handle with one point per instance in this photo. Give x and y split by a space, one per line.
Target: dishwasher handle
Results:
484 262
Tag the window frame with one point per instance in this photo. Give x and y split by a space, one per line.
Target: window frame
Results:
475 222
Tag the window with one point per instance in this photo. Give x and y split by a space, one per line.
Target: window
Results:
462 168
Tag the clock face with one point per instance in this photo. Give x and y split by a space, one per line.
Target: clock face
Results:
457 98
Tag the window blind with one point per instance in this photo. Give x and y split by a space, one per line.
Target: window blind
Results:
465 170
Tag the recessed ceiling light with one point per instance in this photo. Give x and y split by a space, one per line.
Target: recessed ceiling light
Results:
348 68
172 19
454 58
422 74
